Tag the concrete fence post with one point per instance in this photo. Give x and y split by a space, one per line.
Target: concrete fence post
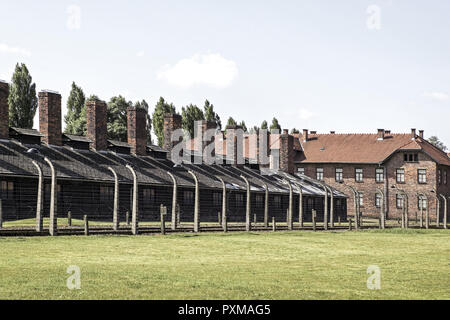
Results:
40 194
135 207
163 224
421 213
339 220
219 218
69 218
350 224
225 224
255 219
291 207
382 222
438 209
53 226
314 219
116 200
274 224
1 214
266 205
127 218
86 225
331 208
174 201
300 206
248 226
224 201
445 214
325 209
196 203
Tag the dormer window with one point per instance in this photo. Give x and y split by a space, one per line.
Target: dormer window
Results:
411 157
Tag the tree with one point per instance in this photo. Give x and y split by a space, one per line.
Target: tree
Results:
294 130
434 140
231 122
189 114
144 105
264 125
254 129
275 125
244 127
161 108
75 118
22 98
210 115
117 118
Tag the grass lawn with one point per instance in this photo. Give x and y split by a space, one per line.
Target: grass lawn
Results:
415 264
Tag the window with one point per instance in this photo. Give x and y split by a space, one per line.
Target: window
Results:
301 170
439 176
399 201
7 189
319 174
259 200
421 202
106 193
377 200
445 176
411 157
400 175
217 196
360 197
359 175
277 201
239 199
149 195
339 174
188 197
422 175
379 175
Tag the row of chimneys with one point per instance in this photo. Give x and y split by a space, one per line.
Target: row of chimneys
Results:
382 132
96 121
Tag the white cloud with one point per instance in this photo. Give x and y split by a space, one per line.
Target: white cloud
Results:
74 18
201 69
140 54
441 96
4 48
305 114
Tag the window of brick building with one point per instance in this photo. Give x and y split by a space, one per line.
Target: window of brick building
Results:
400 175
149 195
399 201
445 176
377 200
421 203
319 174
439 176
301 170
339 174
7 190
360 197
217 196
188 197
379 175
106 193
422 175
359 175
411 157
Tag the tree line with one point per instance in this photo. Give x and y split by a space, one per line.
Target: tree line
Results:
23 104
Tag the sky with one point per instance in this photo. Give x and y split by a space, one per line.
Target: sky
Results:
346 66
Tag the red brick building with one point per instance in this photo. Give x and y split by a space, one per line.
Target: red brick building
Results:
384 161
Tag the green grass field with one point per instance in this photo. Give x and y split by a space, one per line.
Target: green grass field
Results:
415 264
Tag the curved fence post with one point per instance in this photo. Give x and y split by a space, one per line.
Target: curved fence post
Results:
266 205
196 203
174 202
53 226
40 202
224 202
291 196
116 200
135 208
247 206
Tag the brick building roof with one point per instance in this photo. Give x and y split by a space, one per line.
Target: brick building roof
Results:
362 148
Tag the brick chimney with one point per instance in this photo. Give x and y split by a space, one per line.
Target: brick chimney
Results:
413 133
96 124
136 133
50 117
287 152
305 135
199 138
172 122
4 110
421 133
380 134
235 145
